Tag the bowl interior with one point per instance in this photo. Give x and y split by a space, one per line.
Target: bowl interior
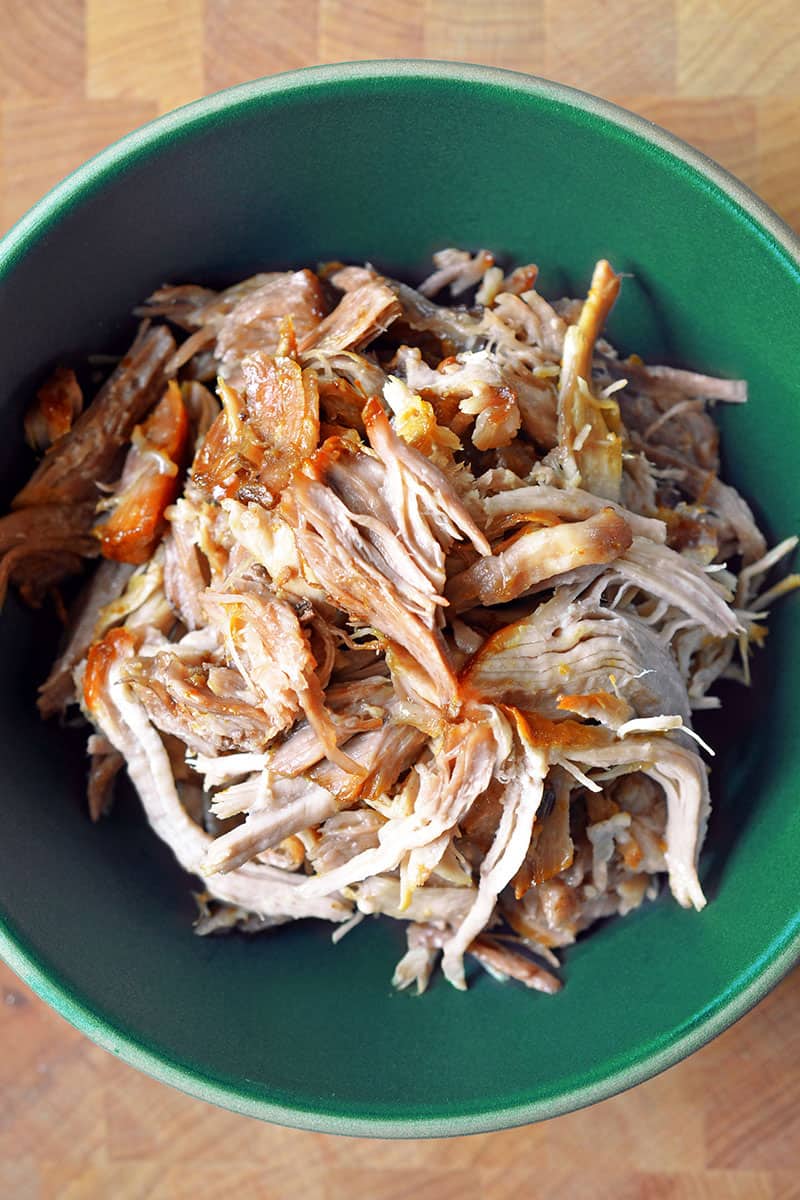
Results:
387 164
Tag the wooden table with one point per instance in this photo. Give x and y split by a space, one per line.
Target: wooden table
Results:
74 1122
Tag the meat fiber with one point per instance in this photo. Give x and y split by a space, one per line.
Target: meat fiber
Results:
537 555
589 427
86 456
112 705
41 545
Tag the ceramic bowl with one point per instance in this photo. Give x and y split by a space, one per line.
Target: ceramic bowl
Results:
386 162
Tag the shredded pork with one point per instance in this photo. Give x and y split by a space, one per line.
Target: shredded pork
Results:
411 618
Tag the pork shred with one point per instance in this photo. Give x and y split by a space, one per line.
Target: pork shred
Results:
412 617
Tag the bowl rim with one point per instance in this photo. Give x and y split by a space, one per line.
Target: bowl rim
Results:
774 962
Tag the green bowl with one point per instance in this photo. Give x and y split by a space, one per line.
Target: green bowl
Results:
386 162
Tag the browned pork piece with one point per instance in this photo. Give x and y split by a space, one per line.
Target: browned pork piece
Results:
278 805
39 546
477 384
524 787
589 427
254 323
245 318
345 381
204 703
443 793
263 636
666 407
363 578
386 573
58 402
576 646
356 321
106 585
281 807
105 763
261 436
49 535
180 303
665 413
184 578
684 780
551 850
354 707
283 409
546 505
132 521
456 327
89 452
502 961
535 555
730 513
680 582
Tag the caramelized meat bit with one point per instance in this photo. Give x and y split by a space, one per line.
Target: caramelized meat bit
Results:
264 433
589 427
58 403
150 482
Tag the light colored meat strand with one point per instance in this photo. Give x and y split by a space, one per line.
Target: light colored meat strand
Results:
684 779
264 639
539 554
256 888
577 646
567 504
446 792
679 581
588 429
376 585
289 806
457 269
522 795
356 321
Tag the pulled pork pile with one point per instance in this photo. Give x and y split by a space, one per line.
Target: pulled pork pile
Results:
411 617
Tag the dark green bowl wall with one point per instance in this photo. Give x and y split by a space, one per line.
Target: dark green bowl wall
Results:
387 171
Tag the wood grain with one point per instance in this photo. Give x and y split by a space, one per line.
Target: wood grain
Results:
737 46
636 44
149 50
42 49
502 34
76 1124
